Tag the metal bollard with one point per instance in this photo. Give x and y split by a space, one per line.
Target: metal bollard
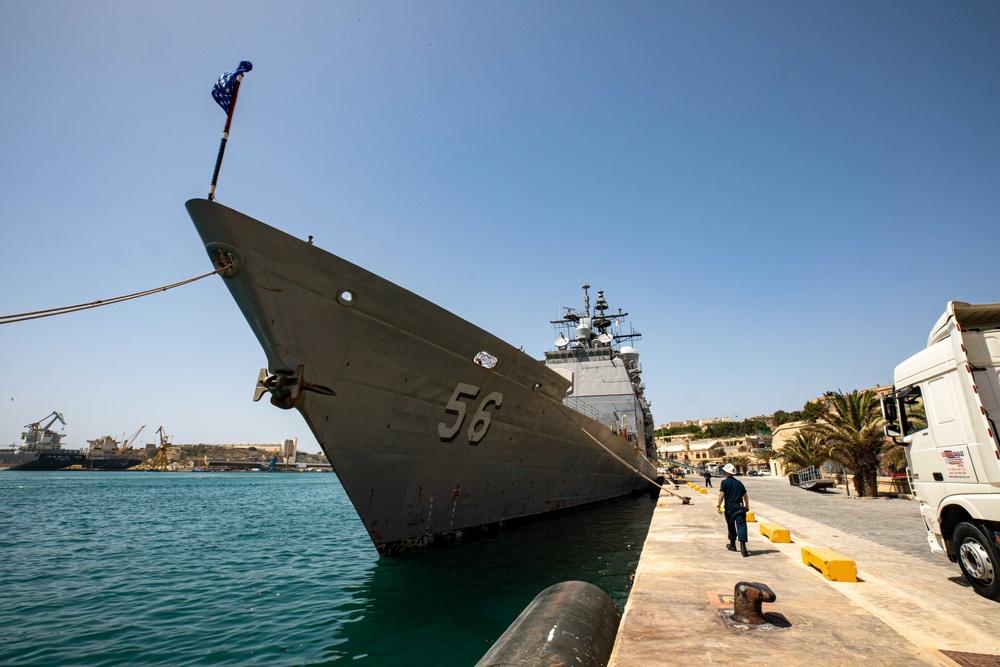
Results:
749 596
569 623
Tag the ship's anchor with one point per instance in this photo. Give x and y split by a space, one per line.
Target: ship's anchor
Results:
286 387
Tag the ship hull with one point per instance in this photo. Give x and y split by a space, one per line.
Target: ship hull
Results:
426 441
111 462
39 460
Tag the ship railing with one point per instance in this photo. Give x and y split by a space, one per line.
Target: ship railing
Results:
589 410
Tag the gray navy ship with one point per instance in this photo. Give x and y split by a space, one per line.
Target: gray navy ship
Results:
41 449
433 425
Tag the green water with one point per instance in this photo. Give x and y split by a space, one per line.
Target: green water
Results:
252 569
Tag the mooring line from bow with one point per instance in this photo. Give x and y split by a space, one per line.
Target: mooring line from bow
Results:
686 500
38 314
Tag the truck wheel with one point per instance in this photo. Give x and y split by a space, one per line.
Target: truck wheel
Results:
978 558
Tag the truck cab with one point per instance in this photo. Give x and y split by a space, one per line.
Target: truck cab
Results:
942 410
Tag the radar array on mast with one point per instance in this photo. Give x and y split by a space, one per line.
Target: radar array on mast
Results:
576 328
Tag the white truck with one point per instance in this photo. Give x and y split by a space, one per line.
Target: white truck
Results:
943 409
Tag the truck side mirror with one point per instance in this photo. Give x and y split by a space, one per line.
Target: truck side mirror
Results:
889 409
892 431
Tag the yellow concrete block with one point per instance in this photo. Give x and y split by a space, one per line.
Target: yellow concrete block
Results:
702 490
834 566
751 518
775 533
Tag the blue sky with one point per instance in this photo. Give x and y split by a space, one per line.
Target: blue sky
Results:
784 195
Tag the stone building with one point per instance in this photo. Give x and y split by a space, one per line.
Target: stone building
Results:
690 452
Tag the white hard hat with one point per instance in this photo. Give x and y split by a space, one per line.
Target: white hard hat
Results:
730 468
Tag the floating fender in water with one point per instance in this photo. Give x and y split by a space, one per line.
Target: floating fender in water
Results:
572 623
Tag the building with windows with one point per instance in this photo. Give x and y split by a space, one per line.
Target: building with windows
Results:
690 452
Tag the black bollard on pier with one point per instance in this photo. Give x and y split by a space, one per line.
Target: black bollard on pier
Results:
749 597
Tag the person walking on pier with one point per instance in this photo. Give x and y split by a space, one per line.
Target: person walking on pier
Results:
733 496
708 477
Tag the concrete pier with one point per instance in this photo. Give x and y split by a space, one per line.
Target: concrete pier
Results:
907 607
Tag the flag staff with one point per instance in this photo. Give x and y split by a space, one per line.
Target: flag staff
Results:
225 91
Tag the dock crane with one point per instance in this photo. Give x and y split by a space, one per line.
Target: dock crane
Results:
160 461
128 442
37 426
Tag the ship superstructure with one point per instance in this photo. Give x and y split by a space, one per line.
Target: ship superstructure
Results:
605 376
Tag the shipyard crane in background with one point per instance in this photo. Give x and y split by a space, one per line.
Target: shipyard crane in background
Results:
160 461
128 442
37 426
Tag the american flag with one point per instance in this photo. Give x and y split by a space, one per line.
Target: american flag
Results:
226 85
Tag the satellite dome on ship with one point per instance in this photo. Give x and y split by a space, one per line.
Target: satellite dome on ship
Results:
629 354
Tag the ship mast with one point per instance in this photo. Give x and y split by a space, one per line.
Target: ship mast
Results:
579 325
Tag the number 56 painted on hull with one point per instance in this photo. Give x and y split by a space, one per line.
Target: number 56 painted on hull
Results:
480 420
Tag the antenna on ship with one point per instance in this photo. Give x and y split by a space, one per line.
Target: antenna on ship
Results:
225 91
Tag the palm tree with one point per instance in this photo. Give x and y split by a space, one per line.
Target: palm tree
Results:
852 433
894 459
740 461
804 449
765 455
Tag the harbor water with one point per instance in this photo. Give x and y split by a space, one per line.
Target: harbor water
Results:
268 569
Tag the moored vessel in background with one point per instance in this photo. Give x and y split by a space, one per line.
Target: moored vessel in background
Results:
433 425
41 449
106 454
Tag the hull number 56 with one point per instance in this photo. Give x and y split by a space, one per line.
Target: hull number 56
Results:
480 419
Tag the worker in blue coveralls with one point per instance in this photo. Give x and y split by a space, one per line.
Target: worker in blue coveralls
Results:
733 497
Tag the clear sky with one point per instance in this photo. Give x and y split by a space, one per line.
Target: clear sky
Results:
784 195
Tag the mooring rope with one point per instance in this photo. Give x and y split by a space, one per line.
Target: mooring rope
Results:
562 408
38 314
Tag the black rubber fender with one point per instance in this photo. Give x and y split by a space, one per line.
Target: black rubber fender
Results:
572 623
